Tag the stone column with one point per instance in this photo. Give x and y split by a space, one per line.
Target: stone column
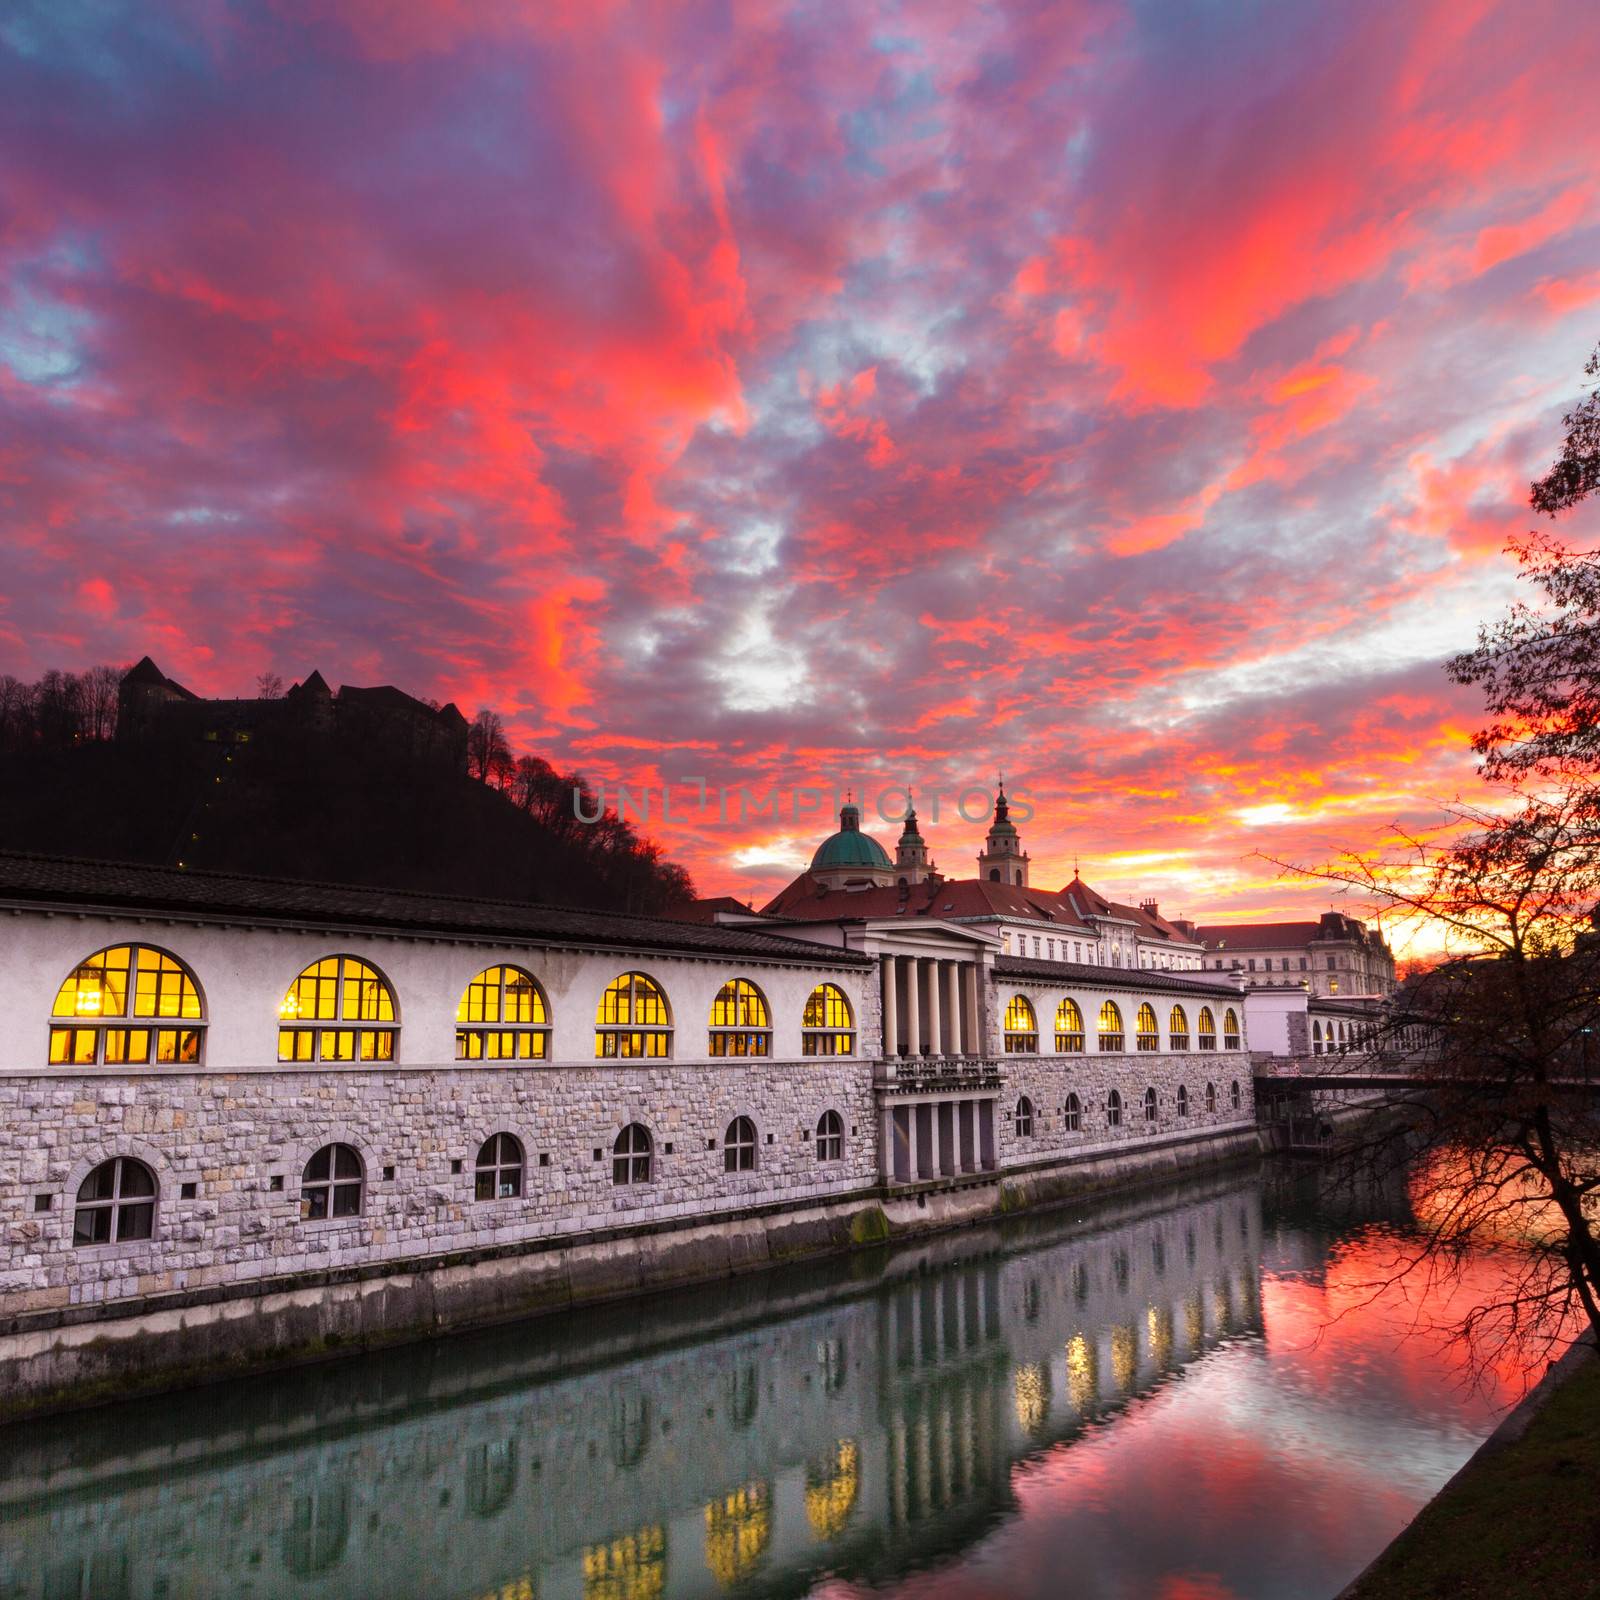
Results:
952 1007
931 971
938 1139
974 1028
886 1155
891 1008
913 1011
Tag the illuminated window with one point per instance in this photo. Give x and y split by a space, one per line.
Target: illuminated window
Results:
127 983
499 1168
1178 1028
1072 1114
1113 1109
1211 1098
116 1202
1147 1033
1150 1105
1021 1026
332 1183
1206 1030
631 1155
339 990
827 1028
741 1025
739 1146
1183 1100
631 1567
1230 1029
1024 1118
502 1017
1111 1036
633 1019
830 1136
831 1491
1234 1094
1069 1028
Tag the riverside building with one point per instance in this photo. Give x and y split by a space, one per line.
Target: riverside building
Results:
220 1091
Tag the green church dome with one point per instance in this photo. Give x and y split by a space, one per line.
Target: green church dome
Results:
850 847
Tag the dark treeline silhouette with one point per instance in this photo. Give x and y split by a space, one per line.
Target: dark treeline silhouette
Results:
286 805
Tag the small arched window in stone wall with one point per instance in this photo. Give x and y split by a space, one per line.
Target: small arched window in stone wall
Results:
1148 1031
127 1005
1211 1098
830 1136
1111 1035
1069 1028
351 996
633 1019
503 1016
827 1028
1113 1109
741 1023
1178 1028
632 1155
116 1203
332 1184
1183 1099
1021 1026
1236 1096
1150 1105
739 1146
1024 1118
1072 1114
1205 1035
498 1173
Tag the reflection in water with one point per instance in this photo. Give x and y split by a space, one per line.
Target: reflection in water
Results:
1001 1406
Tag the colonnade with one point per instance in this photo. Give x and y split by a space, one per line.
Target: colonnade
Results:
930 1007
938 1138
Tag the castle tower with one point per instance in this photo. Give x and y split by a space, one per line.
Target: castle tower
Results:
1003 859
911 853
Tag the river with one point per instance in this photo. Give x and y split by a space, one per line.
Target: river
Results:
1188 1394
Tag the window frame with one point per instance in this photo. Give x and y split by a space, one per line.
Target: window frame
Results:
1110 1041
830 1132
630 1158
498 1164
1072 1113
1146 1039
1022 1117
334 1185
116 1203
1183 1100
1113 1108
96 1024
1232 1038
535 1034
721 1038
357 1040
1205 1038
647 1034
1151 1102
816 1039
1070 1041
740 1146
1178 1028
1024 1040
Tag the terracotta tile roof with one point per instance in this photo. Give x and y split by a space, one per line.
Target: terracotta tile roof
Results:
1259 935
134 888
953 899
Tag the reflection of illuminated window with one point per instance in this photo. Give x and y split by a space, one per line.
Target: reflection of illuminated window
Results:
1158 1325
130 981
831 1491
632 1567
1194 1320
1082 1378
1124 1356
318 1527
738 1526
491 1476
1030 1389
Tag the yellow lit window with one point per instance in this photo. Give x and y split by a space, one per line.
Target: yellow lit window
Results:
337 989
1111 1034
1206 1029
632 1019
131 981
827 1027
502 1016
741 1025
1021 1026
1147 1032
1069 1028
1230 1029
1178 1028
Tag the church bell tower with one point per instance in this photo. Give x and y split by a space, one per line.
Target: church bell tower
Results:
1003 859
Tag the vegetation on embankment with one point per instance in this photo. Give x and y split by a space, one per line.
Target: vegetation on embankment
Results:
1521 1518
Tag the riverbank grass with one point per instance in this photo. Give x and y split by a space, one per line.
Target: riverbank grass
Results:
1523 1518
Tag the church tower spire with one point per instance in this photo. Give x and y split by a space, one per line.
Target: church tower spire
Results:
1003 859
911 852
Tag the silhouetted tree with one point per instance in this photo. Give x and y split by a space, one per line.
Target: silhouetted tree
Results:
486 744
269 686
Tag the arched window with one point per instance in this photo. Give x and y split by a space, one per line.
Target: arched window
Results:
828 1028
491 1477
343 991
631 1155
1211 1098
502 1017
499 1169
1069 1028
741 1024
1072 1114
830 1136
127 1005
1234 1095
633 1019
1316 1036
1148 1031
1113 1109
332 1183
1150 1105
1230 1029
1183 1099
739 1146
1111 1037
117 1201
1206 1030
1178 1028
1021 1027
1024 1118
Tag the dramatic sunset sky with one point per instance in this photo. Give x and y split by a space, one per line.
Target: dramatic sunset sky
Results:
1135 397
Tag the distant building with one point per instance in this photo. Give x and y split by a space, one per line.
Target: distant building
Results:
152 706
1336 956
